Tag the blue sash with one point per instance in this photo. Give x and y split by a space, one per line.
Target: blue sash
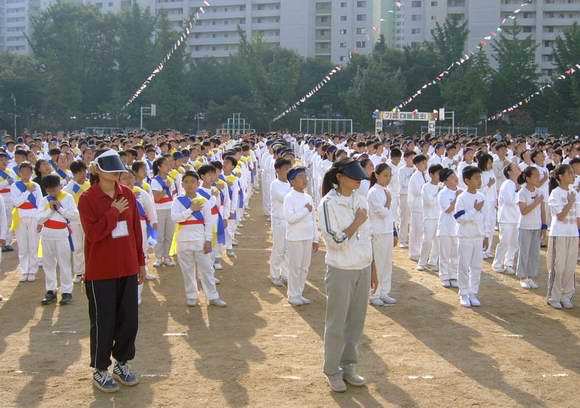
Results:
151 233
52 199
221 228
6 177
186 202
164 186
240 195
22 187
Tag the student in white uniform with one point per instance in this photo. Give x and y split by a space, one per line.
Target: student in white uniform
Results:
489 191
531 224
26 196
447 229
404 214
418 179
383 231
54 216
508 215
349 276
562 254
429 256
469 216
163 192
394 185
192 241
301 235
7 178
3 230
278 190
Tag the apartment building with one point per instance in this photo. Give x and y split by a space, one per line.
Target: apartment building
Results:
330 30
543 20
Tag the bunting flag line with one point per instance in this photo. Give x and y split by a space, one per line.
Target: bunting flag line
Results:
310 93
485 41
187 30
567 74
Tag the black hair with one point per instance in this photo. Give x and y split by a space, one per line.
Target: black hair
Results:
556 174
281 162
435 168
482 161
205 169
25 164
37 167
507 169
444 174
330 180
469 172
409 153
156 164
78 167
419 158
190 173
232 160
527 173
396 153
217 164
20 152
535 154
137 164
574 161
50 181
378 170
54 152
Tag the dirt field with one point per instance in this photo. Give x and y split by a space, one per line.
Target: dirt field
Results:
261 352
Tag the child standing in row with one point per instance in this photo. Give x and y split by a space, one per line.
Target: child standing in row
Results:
380 200
469 216
278 190
301 235
428 258
447 229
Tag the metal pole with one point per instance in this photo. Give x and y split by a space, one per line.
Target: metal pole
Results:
453 123
314 126
14 102
141 121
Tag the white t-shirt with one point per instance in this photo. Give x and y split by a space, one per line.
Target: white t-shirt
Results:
557 201
533 219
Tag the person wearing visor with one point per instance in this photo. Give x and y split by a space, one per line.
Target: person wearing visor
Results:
114 266
343 214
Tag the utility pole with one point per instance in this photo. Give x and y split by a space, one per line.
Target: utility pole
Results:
14 104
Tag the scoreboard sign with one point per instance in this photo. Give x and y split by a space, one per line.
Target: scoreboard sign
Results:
410 116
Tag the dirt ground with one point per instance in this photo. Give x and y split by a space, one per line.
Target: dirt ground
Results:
261 352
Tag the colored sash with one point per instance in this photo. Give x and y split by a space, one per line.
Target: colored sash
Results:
221 228
30 204
151 233
186 202
164 186
6 177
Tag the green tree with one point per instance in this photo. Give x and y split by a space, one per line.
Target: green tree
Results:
449 40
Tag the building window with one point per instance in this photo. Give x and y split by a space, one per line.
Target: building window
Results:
342 31
527 29
342 45
361 30
361 44
416 3
434 4
361 17
343 4
361 3
342 18
416 17
416 31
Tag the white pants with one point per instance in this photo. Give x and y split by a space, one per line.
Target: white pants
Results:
165 227
8 206
78 257
469 267
403 217
383 256
57 253
448 262
27 239
300 252
192 261
230 231
506 249
415 232
429 251
278 258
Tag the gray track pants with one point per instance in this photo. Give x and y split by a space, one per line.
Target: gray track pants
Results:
346 309
528 253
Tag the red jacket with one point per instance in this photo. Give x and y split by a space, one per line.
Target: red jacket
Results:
107 257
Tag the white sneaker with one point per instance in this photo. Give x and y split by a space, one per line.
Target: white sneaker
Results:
150 277
31 278
403 246
446 284
216 280
554 304
296 301
218 302
533 284
464 301
23 278
278 282
510 270
192 302
305 300
421 267
387 300
218 266
336 383
525 284
434 268
414 259
158 263
454 283
231 253
169 262
567 304
474 300
376 302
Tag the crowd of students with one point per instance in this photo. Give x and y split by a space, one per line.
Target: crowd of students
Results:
442 199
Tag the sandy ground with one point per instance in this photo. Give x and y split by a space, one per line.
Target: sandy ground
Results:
261 352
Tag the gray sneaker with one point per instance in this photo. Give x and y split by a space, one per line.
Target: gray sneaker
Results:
567 304
104 381
218 302
336 383
124 375
352 377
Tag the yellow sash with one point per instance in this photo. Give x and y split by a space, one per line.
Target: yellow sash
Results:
173 249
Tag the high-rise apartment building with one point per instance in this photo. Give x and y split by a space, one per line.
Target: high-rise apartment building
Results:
543 20
330 30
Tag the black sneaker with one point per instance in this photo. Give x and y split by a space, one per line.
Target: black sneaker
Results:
7 248
49 298
124 375
104 382
65 299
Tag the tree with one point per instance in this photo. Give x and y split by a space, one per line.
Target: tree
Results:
449 40
517 75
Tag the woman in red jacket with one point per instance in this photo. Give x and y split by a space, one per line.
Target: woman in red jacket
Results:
114 267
